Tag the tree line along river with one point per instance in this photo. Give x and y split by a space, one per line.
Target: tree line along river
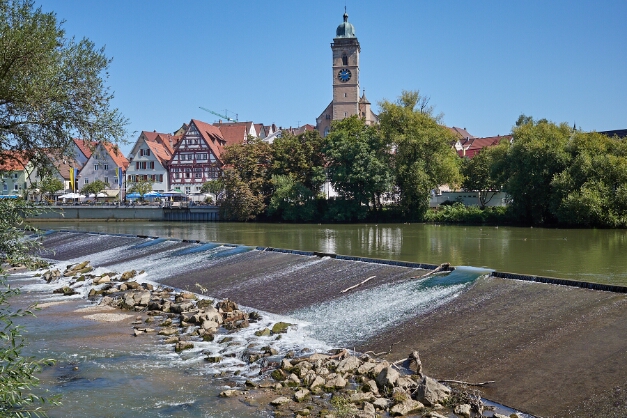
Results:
591 255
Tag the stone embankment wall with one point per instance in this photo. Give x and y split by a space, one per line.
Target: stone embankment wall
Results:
136 213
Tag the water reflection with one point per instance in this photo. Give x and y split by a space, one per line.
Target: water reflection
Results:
591 255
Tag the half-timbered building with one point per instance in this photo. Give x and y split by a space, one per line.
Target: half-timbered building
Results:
196 157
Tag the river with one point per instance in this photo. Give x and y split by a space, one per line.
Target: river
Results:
580 254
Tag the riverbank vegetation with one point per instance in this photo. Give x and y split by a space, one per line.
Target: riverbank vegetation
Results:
555 175
52 89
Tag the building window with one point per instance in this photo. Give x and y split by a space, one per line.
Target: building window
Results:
344 60
106 180
15 187
152 165
86 181
115 180
95 167
5 187
106 166
344 94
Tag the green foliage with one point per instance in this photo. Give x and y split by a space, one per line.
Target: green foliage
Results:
423 157
239 202
472 215
17 373
358 162
94 187
538 153
291 200
483 173
141 187
300 157
343 407
51 87
50 185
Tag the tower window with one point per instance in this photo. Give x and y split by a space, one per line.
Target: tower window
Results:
344 60
344 94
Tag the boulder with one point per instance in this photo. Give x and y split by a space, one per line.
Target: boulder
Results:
359 397
387 378
301 395
317 382
463 410
183 345
280 327
226 306
407 407
369 410
431 392
281 400
349 364
381 403
230 393
337 382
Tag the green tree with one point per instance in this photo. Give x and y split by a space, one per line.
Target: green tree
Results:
50 185
423 156
94 187
141 187
239 203
300 157
538 153
216 188
592 190
483 174
17 372
358 163
51 87
247 180
291 200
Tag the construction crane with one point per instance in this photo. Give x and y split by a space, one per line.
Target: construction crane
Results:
222 116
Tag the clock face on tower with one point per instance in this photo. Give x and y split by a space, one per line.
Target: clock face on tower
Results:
344 75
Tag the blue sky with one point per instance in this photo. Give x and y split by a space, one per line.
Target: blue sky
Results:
482 63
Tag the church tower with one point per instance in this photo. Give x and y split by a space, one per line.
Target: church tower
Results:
346 50
345 71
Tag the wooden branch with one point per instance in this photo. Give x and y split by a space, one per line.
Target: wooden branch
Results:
377 354
466 383
357 285
440 268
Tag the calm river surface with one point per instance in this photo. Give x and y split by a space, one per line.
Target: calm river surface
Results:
579 254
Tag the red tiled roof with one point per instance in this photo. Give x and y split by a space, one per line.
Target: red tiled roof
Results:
471 147
160 150
212 136
460 133
233 133
116 154
12 161
86 147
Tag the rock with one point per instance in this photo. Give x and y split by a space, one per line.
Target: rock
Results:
415 365
433 414
286 365
373 386
210 326
301 395
127 275
230 393
303 412
183 345
263 333
337 382
500 416
181 307
65 291
317 356
360 397
463 410
280 327
317 382
374 372
349 364
381 403
366 367
171 340
387 378
279 375
369 409
226 306
431 392
168 331
281 400
406 407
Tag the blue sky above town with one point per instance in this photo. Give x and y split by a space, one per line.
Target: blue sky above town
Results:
482 63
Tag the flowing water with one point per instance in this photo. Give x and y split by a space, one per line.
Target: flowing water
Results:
580 254
126 376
